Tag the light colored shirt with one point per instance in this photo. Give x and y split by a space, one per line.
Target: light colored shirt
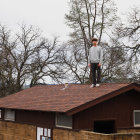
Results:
95 55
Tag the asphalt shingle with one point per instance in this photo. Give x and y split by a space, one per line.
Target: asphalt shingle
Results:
53 98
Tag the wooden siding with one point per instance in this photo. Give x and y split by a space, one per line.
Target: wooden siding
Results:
42 119
119 108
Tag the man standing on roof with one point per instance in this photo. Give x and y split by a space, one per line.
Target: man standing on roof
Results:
95 61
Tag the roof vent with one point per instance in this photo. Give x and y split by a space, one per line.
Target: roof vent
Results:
66 86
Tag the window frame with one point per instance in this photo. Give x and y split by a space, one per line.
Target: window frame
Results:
0 113
136 125
9 119
61 126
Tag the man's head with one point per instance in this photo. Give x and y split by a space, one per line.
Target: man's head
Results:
94 41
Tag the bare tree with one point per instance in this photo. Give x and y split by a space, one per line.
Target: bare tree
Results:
130 32
27 57
87 18
120 41
73 62
128 36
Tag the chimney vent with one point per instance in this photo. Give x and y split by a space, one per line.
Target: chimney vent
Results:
66 86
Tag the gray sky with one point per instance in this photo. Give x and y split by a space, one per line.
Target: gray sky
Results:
48 15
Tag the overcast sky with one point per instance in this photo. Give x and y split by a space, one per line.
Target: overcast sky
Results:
48 15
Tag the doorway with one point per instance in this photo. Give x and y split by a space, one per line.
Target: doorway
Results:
106 127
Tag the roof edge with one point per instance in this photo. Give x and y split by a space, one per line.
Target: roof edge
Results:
21 109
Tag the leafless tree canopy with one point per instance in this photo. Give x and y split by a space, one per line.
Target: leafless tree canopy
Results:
87 18
27 57
120 41
128 37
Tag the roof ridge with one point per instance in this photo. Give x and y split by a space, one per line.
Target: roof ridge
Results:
81 84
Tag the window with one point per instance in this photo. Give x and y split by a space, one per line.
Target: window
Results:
63 120
0 113
9 115
137 118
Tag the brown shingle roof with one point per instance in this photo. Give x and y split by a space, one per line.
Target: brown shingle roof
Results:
52 98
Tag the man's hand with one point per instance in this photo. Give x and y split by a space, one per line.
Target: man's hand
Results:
89 65
99 65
